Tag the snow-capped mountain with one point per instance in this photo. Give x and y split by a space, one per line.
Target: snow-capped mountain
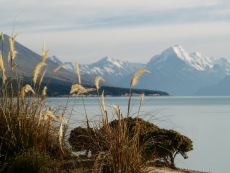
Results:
183 73
107 66
195 60
221 67
174 70
112 70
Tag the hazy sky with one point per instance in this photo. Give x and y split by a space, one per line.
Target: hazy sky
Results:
135 30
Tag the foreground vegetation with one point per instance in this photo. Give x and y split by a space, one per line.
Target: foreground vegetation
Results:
33 136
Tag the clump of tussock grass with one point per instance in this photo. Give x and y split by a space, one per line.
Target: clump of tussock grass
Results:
26 122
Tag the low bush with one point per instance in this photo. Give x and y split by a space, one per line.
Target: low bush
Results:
155 143
166 145
26 121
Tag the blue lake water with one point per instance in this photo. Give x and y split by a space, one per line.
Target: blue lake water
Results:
206 120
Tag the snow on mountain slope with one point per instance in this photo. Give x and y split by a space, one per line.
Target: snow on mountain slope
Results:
112 70
174 70
222 65
195 60
108 66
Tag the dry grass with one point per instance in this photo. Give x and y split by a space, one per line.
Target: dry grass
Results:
26 122
119 153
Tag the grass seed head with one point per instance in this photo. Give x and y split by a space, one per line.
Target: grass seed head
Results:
12 52
48 115
44 55
37 71
79 89
2 68
137 75
56 70
77 71
26 89
97 81
44 92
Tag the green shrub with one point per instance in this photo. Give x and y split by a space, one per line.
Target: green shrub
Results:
132 123
155 143
166 145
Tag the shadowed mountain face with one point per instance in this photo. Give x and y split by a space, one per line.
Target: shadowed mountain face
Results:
26 61
220 89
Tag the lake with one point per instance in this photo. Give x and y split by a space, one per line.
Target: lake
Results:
206 120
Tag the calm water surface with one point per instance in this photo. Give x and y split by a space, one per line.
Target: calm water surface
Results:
206 120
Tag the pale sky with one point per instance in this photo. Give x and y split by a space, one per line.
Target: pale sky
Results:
86 30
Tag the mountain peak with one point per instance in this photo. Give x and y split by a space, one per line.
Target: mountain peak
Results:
177 47
111 62
106 58
179 51
198 54
195 60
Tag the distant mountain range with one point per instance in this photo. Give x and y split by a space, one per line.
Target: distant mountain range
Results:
58 84
174 70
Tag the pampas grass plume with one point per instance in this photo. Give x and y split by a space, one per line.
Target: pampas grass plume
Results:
26 89
37 71
55 71
97 81
2 68
137 75
79 89
77 71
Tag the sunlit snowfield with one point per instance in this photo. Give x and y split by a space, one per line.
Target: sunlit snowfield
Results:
206 120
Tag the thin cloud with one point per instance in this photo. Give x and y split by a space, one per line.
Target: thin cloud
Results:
32 14
122 29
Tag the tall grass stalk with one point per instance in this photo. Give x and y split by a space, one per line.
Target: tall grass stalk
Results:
26 122
133 82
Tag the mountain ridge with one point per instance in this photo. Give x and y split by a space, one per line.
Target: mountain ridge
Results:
173 70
